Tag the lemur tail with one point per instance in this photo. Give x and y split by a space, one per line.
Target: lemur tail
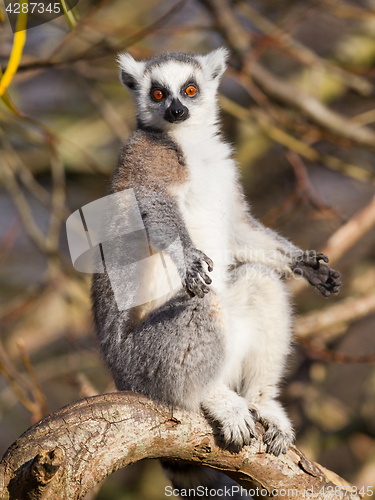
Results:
202 482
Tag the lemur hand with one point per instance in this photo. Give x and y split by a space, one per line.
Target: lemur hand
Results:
196 279
325 279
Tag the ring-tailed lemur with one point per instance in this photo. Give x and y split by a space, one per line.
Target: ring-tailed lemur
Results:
219 342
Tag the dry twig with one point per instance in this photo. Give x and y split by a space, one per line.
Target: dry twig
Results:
103 49
302 53
238 39
345 238
316 351
342 313
20 385
38 394
282 137
350 233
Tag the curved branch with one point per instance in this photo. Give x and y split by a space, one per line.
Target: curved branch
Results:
66 454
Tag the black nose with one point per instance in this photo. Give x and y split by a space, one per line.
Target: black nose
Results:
176 112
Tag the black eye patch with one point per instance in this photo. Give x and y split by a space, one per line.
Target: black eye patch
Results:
155 89
189 83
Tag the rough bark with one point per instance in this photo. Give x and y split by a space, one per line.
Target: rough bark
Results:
67 453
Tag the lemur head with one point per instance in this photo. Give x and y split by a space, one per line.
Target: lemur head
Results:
174 89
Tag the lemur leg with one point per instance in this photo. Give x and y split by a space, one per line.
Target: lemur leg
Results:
261 314
190 334
173 355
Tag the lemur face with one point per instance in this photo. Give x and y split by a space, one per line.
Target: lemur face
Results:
174 89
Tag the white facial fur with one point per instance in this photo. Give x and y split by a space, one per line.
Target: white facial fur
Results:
174 75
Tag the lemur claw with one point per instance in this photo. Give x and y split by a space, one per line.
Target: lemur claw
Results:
276 439
196 279
325 279
322 256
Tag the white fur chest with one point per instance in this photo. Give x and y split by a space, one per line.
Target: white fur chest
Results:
206 201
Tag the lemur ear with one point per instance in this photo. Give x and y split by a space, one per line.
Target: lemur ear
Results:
215 62
130 70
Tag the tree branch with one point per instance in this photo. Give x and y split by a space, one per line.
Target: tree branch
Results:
344 238
238 39
346 311
69 452
302 53
351 232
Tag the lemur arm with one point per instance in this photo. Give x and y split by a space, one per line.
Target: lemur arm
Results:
166 231
150 164
256 243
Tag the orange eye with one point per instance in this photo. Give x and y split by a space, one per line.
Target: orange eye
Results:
158 94
191 90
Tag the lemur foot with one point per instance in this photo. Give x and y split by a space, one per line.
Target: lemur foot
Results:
238 427
279 434
325 279
196 278
235 423
277 440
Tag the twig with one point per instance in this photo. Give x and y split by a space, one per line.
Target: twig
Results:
342 313
19 385
47 244
39 397
310 133
313 108
105 108
237 38
365 118
16 388
344 238
58 199
86 388
79 28
106 48
36 235
303 53
289 204
316 351
282 137
20 303
9 239
102 50
27 178
351 232
307 189
68 15
347 11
